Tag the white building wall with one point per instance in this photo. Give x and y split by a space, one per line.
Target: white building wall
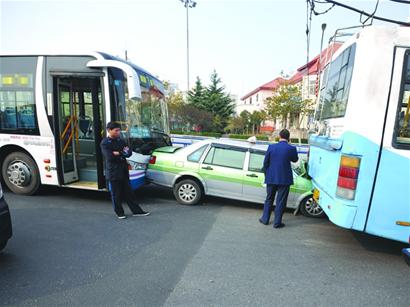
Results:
255 102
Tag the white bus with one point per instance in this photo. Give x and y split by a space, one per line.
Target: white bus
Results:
360 156
53 112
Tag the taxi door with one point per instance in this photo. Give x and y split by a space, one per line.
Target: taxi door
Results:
254 189
222 170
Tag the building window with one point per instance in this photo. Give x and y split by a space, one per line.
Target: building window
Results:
250 100
257 97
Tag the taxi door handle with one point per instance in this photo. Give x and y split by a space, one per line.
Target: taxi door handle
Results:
252 175
207 168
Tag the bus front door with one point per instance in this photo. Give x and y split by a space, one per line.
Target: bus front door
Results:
66 132
80 131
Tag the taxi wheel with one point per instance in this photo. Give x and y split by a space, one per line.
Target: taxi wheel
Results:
309 208
188 192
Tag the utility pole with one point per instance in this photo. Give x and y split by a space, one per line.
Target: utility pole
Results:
188 4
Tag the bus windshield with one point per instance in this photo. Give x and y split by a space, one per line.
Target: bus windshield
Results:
144 121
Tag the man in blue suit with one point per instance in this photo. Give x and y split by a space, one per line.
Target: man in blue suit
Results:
278 177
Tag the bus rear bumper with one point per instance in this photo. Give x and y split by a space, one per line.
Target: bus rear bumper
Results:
338 213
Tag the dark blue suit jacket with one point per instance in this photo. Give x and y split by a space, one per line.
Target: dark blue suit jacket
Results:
277 163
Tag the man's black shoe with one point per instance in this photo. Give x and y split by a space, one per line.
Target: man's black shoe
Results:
281 225
262 222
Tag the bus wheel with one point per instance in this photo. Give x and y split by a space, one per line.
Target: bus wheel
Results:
309 208
20 173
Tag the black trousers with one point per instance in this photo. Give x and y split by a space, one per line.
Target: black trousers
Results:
121 191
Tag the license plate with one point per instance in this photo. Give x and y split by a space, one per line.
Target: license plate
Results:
316 194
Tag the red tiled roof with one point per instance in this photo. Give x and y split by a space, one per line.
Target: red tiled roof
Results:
313 66
272 85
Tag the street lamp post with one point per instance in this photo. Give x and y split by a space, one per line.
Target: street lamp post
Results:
188 4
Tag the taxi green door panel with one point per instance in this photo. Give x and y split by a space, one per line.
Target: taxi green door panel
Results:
222 170
254 189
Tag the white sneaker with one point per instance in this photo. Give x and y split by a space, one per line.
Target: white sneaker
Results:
142 214
121 217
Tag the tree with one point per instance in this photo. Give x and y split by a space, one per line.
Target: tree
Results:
287 102
196 96
246 117
218 103
256 119
237 124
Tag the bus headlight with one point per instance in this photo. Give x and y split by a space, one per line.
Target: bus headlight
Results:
136 166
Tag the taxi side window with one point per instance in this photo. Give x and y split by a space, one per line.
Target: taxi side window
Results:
256 161
227 157
197 154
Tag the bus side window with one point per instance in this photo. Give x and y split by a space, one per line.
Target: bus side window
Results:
17 106
401 137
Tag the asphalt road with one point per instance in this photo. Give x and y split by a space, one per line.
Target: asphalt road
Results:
69 249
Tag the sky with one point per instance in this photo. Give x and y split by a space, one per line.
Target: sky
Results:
247 42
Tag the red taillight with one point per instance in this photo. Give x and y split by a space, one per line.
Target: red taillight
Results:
153 160
348 175
349 172
46 160
347 183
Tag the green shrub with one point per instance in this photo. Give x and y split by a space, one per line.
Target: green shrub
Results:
260 137
177 132
239 136
210 134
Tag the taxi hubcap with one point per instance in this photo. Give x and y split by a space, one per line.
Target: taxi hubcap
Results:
312 207
187 192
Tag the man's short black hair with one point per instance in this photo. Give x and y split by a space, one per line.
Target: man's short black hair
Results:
284 134
113 125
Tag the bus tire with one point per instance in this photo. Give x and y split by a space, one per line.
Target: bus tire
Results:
188 192
20 173
309 208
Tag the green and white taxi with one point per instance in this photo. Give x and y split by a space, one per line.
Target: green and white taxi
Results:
224 168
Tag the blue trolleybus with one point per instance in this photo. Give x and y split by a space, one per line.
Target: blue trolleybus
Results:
360 154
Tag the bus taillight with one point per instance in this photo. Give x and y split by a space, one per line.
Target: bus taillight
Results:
348 174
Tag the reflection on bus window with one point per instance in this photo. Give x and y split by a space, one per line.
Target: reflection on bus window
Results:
336 85
403 120
402 131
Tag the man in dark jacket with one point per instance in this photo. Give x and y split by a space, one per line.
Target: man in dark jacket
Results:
278 177
115 152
